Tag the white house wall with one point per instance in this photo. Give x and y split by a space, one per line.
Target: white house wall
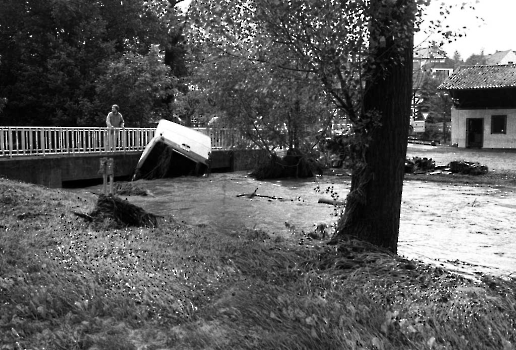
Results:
510 58
507 140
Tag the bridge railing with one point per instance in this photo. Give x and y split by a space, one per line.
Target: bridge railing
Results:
27 141
41 141
222 138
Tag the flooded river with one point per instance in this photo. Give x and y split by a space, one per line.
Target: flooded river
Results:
214 201
465 228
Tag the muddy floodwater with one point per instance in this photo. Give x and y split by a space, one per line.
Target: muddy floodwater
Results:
217 201
466 228
461 227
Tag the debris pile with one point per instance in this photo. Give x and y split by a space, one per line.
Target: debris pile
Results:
294 164
114 212
471 168
418 165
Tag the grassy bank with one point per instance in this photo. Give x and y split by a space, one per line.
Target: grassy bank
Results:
68 283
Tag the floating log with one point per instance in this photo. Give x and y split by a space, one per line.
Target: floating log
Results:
254 194
331 201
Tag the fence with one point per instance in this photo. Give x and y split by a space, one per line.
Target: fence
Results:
222 138
26 141
41 141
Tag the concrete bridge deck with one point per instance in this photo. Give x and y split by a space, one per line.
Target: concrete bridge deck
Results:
56 170
52 156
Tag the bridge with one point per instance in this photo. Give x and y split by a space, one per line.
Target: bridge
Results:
51 156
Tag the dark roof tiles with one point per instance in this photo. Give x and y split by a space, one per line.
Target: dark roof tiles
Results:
481 77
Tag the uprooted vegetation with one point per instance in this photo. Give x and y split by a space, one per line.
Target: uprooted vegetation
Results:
463 172
66 284
425 165
294 164
112 212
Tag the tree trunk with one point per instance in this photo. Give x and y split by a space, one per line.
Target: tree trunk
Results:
373 205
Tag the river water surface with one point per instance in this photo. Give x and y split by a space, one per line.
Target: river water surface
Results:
466 228
462 227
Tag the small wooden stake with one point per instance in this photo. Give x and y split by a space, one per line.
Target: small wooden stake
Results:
107 168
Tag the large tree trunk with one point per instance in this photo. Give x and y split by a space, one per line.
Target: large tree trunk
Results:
373 205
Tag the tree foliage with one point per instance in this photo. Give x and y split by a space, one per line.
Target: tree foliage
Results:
53 53
270 107
476 59
436 103
327 41
438 26
359 55
139 83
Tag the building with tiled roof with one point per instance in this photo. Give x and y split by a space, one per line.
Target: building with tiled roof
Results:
501 57
434 61
431 53
481 77
484 98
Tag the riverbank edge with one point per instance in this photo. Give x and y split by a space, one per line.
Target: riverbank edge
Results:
251 290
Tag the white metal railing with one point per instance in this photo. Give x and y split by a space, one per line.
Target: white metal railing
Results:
41 141
221 138
32 141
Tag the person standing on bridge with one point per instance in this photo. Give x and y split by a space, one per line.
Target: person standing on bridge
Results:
114 121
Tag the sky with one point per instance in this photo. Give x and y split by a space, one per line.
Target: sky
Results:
494 30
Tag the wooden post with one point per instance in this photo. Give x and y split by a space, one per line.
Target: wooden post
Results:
107 169
111 172
102 170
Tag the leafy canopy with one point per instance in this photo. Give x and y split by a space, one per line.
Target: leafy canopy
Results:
55 52
255 57
328 40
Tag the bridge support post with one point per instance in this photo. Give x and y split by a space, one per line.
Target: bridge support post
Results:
107 169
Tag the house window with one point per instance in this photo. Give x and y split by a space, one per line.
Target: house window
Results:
499 124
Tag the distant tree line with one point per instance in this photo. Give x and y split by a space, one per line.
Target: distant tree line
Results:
64 63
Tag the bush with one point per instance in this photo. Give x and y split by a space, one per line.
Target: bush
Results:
471 168
294 164
419 164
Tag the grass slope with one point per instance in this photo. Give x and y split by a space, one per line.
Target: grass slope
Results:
69 284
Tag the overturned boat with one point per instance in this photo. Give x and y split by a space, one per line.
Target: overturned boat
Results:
175 150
